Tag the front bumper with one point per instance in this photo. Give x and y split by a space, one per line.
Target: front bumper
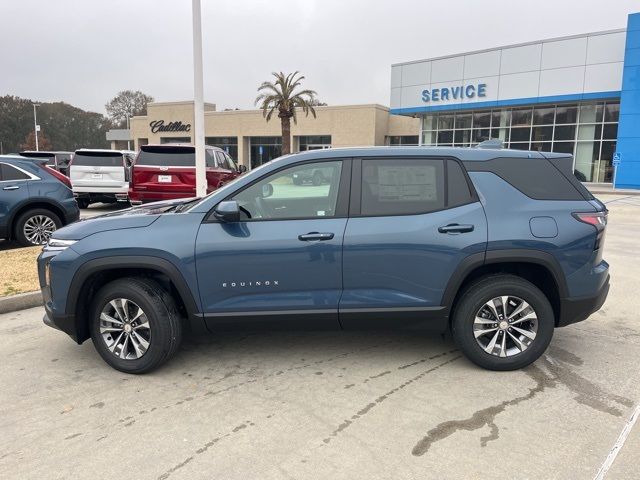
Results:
573 310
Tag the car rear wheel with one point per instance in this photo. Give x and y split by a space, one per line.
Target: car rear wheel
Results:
135 325
34 227
503 322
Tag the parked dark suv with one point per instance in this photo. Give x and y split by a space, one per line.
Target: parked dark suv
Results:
35 200
498 246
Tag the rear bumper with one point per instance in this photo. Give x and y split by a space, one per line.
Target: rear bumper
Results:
573 310
100 189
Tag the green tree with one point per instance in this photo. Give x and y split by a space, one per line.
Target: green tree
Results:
282 97
127 103
67 127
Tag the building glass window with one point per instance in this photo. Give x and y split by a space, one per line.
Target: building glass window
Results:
228 144
264 149
403 140
175 140
314 142
588 131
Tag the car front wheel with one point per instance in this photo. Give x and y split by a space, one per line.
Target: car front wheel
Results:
135 325
503 322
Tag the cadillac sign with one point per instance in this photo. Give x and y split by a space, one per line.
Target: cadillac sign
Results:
160 126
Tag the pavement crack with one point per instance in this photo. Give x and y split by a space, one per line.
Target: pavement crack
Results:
367 408
206 447
484 417
587 393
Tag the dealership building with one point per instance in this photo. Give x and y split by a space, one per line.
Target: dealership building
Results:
578 95
250 139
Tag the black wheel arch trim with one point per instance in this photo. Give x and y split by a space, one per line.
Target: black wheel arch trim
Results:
158 264
494 257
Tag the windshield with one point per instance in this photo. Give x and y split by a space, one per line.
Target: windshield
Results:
101 159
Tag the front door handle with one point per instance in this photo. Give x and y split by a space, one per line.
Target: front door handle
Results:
456 228
12 187
315 236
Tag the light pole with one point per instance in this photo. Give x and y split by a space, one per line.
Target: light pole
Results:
198 101
36 127
128 133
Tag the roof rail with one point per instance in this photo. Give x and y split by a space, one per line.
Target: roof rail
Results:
492 143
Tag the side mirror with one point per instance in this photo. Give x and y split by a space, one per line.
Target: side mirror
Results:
267 190
242 168
228 211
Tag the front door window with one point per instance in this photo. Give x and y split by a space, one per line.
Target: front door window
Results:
303 191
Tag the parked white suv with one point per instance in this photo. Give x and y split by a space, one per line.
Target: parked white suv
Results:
101 175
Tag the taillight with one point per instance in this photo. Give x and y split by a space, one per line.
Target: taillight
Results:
57 174
595 219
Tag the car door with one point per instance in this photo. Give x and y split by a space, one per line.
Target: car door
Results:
283 259
412 221
14 189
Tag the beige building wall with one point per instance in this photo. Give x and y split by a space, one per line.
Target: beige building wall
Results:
348 125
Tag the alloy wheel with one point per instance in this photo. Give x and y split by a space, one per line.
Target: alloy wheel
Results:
125 329
38 229
505 326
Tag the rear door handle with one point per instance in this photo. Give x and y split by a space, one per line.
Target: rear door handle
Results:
11 187
456 228
315 236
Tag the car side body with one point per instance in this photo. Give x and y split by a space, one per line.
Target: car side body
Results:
32 193
356 262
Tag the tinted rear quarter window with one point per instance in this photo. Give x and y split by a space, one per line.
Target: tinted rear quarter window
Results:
8 173
97 159
537 178
402 186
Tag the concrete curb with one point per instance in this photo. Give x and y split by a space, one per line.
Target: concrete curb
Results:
20 301
622 193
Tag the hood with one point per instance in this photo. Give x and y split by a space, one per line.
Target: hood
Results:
135 217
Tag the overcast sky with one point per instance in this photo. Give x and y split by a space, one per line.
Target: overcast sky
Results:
84 51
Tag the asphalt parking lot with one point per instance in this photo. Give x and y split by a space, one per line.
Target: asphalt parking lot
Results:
331 405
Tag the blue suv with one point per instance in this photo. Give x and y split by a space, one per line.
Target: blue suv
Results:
35 200
497 246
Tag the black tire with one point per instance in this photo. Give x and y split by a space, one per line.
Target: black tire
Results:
317 179
472 300
162 314
19 228
82 203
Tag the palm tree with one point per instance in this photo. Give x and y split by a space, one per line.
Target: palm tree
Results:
281 95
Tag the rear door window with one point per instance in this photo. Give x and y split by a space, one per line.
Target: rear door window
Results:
402 186
458 191
97 159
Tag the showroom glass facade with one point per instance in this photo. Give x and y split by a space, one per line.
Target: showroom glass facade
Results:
264 149
314 142
587 130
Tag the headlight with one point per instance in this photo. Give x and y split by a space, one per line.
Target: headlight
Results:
58 244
